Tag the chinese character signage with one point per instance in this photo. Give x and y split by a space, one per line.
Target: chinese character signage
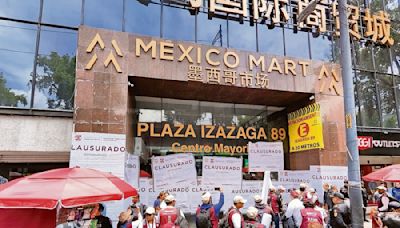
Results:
305 129
362 23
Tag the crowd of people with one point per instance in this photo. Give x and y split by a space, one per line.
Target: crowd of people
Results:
305 209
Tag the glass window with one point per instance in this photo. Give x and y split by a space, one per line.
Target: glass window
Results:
242 36
382 60
17 51
296 44
55 73
103 14
142 19
178 24
367 99
356 99
393 8
65 12
363 56
397 88
321 48
270 40
387 100
211 32
20 9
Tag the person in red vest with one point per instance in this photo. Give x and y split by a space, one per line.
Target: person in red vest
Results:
170 216
309 216
235 217
275 203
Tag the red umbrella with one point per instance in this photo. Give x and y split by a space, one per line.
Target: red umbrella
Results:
70 187
389 173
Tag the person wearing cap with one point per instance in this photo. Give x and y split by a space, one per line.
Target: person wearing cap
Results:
276 205
312 195
170 215
340 216
327 196
264 211
149 220
309 216
292 213
280 192
383 201
251 220
303 192
207 209
235 217
161 196
123 220
136 209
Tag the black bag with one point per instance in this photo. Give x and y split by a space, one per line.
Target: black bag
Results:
203 218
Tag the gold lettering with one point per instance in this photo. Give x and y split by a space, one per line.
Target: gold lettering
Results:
209 134
235 56
291 68
241 133
190 131
152 133
261 134
142 127
178 133
175 147
166 51
185 53
251 133
208 59
220 133
202 131
199 55
260 61
152 45
230 133
167 130
304 66
274 66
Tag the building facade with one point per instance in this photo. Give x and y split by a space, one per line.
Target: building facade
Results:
47 90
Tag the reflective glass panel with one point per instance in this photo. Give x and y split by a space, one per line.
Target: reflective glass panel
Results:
104 14
17 48
387 100
211 32
363 56
20 9
321 48
382 60
242 36
368 100
55 73
270 40
296 44
64 12
178 24
142 19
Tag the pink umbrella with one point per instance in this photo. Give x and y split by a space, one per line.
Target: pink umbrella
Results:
389 173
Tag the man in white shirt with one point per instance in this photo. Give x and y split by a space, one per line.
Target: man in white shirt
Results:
294 208
235 217
383 200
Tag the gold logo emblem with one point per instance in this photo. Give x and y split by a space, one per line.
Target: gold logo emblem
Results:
110 58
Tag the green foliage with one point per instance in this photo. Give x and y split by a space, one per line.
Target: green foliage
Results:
7 97
57 79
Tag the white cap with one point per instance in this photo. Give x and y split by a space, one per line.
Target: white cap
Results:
272 188
239 199
312 190
280 187
205 197
303 185
257 198
381 187
252 212
150 211
169 199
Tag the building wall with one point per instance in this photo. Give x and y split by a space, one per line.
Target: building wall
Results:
33 138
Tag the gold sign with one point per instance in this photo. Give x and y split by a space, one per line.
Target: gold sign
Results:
276 12
206 131
218 148
110 58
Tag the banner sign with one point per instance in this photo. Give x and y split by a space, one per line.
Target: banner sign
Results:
104 152
222 171
132 169
265 156
305 129
368 142
267 184
173 170
334 175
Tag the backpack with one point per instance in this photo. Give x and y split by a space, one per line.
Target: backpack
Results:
249 224
203 218
224 222
171 218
